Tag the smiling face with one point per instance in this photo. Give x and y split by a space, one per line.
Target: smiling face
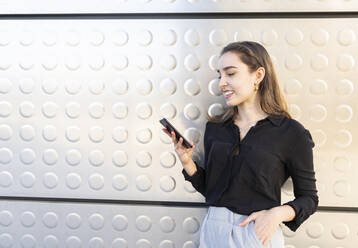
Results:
235 76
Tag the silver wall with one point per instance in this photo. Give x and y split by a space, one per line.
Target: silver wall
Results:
83 160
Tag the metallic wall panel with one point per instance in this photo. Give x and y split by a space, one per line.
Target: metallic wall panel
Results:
81 100
40 224
174 6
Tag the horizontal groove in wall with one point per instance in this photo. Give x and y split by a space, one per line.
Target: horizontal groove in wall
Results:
147 203
196 15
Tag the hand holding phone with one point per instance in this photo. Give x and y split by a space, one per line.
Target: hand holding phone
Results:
171 128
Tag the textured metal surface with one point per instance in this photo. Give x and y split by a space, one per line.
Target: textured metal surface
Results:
81 102
174 6
40 224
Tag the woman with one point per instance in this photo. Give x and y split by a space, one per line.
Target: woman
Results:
250 151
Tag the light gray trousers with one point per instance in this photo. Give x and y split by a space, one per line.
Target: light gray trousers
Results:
220 228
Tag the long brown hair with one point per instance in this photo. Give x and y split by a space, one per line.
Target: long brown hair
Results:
254 55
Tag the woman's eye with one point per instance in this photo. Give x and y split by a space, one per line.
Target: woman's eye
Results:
219 77
230 74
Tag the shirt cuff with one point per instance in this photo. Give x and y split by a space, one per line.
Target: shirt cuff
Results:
296 222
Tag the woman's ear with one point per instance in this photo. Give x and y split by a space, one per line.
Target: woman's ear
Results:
260 74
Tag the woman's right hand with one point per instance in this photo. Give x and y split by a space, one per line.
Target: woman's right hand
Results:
184 153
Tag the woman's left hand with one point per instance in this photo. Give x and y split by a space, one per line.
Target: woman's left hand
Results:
266 223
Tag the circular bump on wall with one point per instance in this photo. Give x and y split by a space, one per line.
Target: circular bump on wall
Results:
73 134
27 179
192 37
143 223
96 157
26 109
96 134
28 241
73 220
73 62
72 38
293 62
50 219
26 85
143 182
192 63
144 135
343 113
143 110
96 221
167 159
49 63
6 179
319 37
293 87
50 241
318 87
314 230
143 62
73 157
27 219
120 134
214 88
191 87
168 37
120 62
342 188
168 62
120 86
191 112
49 109
50 156
144 37
73 110
342 164
27 156
294 37
96 110
167 183
167 86
167 224
6 155
269 37
218 37
73 242
27 133
120 110
96 181
343 138
6 218
191 225
317 113
5 132
73 87
346 37
340 231
120 182
345 62
5 109
344 87
73 180
144 86
49 86
143 159
319 62
168 110
120 38
120 222
5 85
6 240
49 133
50 180
120 158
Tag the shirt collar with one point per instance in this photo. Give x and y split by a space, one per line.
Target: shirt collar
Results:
276 120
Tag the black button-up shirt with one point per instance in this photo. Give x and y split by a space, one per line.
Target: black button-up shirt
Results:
274 149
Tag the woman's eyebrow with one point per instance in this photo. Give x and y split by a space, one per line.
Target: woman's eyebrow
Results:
227 68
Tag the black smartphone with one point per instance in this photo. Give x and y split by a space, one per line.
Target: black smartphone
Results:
171 128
